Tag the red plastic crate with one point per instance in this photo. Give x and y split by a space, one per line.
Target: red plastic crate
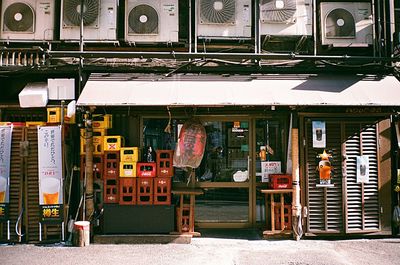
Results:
111 165
162 191
146 170
164 163
111 191
280 181
127 191
183 221
287 217
97 167
144 191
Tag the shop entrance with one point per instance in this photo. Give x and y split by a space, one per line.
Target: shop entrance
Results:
224 174
349 201
230 173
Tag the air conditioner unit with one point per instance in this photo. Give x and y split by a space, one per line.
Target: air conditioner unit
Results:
223 19
31 20
99 20
286 17
151 21
346 24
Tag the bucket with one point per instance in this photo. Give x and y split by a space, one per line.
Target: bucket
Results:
81 233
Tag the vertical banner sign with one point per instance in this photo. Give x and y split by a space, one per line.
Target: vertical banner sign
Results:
5 158
362 169
319 134
50 174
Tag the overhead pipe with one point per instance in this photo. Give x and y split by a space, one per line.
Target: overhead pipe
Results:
209 55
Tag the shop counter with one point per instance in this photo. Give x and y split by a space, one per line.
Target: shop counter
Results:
138 219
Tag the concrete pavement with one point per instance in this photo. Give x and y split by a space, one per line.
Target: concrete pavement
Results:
212 251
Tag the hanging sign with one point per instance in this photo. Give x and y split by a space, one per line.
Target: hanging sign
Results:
319 134
269 167
362 169
5 158
50 174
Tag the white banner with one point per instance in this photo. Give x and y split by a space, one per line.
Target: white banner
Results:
5 156
50 165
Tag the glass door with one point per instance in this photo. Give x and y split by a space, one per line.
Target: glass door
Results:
224 175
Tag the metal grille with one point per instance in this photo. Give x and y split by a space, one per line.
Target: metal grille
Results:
362 209
32 188
325 204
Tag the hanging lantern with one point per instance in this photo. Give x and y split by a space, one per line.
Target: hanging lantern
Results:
191 144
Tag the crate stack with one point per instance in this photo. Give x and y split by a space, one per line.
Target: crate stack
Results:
163 181
99 132
112 146
129 156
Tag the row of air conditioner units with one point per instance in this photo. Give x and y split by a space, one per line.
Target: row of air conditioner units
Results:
341 23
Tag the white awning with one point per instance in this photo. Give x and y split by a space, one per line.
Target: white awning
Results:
207 90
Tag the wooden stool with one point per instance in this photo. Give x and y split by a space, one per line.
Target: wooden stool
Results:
185 211
272 202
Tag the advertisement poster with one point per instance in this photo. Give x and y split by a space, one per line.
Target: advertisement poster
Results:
269 167
362 169
5 158
319 134
50 174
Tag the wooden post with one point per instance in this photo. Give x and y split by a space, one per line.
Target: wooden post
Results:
89 203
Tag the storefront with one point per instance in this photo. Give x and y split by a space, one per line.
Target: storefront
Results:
249 123
245 115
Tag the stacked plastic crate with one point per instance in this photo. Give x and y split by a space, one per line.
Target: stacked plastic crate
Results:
112 146
127 173
162 183
99 131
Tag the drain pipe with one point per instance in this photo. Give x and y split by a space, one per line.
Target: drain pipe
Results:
296 205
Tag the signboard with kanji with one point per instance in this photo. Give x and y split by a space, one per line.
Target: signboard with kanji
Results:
50 174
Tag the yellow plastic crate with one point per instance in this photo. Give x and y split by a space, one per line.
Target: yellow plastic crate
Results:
54 114
112 143
35 123
127 169
129 154
95 133
97 145
102 121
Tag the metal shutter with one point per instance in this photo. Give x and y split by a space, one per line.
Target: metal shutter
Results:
325 205
348 207
362 208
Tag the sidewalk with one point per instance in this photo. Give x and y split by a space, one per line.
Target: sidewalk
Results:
212 251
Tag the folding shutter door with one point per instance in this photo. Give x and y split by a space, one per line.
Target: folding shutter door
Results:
362 208
348 206
325 205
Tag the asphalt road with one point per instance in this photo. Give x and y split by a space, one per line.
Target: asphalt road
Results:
212 251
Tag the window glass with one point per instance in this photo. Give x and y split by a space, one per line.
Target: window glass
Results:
226 154
270 148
